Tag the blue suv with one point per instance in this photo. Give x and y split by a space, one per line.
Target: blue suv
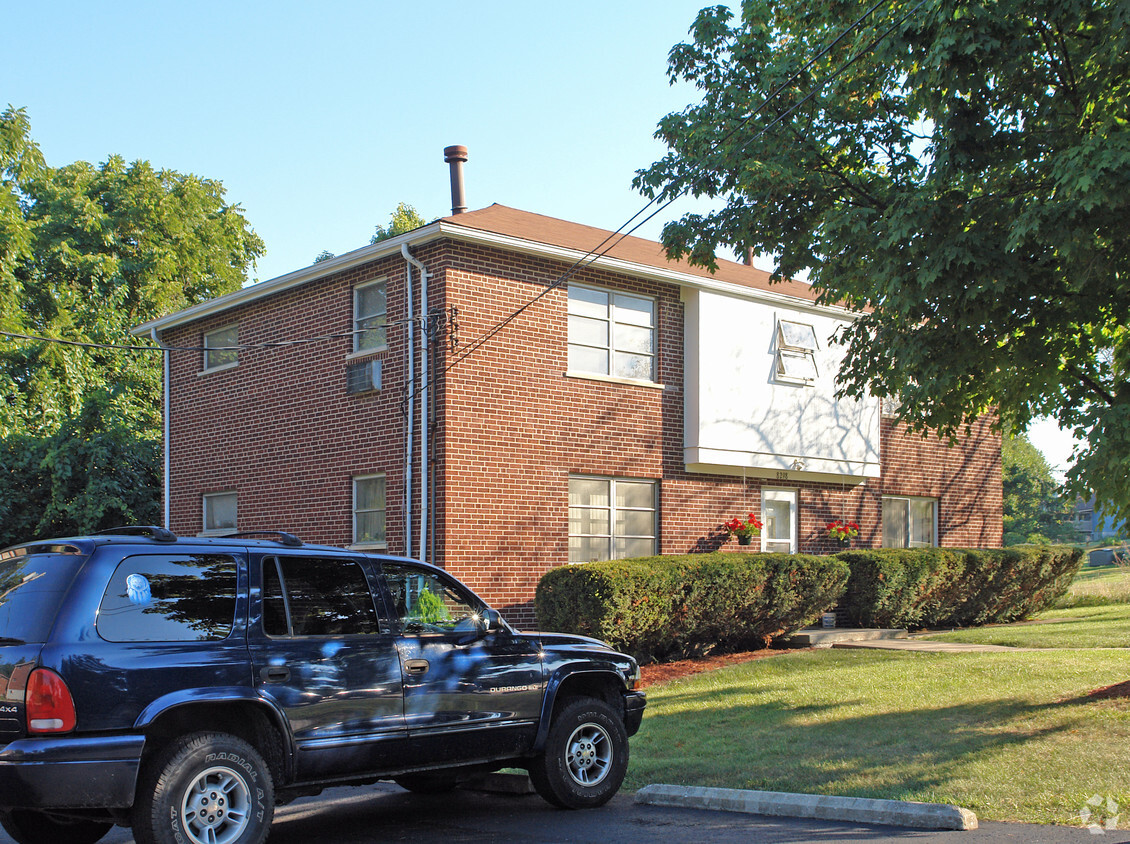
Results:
185 686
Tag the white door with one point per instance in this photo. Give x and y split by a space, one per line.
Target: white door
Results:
779 515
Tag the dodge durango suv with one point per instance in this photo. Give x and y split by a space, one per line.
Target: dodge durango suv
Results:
185 686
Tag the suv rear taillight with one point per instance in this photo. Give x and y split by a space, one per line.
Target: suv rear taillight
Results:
49 705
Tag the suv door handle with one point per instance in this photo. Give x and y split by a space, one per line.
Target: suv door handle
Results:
416 666
275 674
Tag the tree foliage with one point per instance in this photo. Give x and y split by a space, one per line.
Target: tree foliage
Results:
87 252
958 172
403 219
1034 510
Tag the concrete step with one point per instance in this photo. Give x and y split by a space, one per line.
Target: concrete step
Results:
826 637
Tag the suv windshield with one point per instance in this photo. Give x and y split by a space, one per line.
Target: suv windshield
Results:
32 583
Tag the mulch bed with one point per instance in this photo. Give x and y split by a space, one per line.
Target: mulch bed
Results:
1107 692
664 671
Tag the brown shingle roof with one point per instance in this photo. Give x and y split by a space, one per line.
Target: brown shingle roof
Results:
499 219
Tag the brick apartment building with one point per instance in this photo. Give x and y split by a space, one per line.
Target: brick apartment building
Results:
529 422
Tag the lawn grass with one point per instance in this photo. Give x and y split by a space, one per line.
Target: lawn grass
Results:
1103 626
1011 736
1097 587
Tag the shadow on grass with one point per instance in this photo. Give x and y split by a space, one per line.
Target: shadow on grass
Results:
717 737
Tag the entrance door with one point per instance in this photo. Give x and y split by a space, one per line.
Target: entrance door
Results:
779 516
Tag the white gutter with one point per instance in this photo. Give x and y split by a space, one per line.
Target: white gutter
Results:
165 384
424 393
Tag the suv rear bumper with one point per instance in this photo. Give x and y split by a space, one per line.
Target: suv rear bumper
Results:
69 772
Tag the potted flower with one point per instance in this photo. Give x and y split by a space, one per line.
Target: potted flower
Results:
745 530
842 532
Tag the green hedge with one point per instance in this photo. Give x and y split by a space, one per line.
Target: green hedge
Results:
669 607
954 587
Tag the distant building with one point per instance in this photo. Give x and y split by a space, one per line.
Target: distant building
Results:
1091 523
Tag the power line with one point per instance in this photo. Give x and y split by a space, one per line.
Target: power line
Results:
619 235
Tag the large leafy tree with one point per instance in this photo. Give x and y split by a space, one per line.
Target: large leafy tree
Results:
1034 510
403 219
957 171
86 252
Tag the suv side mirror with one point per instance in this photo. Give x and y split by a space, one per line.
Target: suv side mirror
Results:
492 621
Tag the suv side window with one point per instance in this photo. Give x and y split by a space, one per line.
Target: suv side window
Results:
426 603
316 596
169 598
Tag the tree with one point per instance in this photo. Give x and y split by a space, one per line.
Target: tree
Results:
403 219
1034 512
956 172
85 254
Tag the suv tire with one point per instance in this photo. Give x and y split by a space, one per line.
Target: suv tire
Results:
27 826
585 757
205 787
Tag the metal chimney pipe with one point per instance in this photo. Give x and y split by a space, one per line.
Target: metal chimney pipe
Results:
455 156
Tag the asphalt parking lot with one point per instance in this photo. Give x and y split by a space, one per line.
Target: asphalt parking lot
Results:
386 813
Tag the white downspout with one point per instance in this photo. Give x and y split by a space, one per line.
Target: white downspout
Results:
409 445
165 424
424 390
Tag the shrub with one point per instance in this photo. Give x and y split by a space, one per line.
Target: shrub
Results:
954 587
670 607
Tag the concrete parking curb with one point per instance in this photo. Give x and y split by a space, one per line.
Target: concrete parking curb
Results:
820 806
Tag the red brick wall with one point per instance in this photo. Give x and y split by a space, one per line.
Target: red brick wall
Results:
279 428
966 480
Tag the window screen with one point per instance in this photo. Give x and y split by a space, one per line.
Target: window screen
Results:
164 598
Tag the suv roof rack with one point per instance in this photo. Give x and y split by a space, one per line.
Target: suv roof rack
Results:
154 531
288 539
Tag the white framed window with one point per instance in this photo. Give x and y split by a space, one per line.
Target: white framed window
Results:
779 520
611 518
796 352
611 333
219 512
370 313
219 351
909 522
369 511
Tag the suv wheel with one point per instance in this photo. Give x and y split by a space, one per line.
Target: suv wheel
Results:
205 788
585 758
30 827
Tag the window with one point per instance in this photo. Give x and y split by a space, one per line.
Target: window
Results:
161 598
779 516
611 519
424 602
316 596
218 348
611 333
796 352
369 511
370 311
910 522
219 512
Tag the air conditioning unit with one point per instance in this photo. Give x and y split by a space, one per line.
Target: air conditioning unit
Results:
363 377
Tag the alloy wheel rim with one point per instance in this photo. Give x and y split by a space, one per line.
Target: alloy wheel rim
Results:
216 806
588 755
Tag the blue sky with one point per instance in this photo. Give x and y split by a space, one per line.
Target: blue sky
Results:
320 118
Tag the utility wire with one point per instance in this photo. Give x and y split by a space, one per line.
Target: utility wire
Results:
599 251
620 234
